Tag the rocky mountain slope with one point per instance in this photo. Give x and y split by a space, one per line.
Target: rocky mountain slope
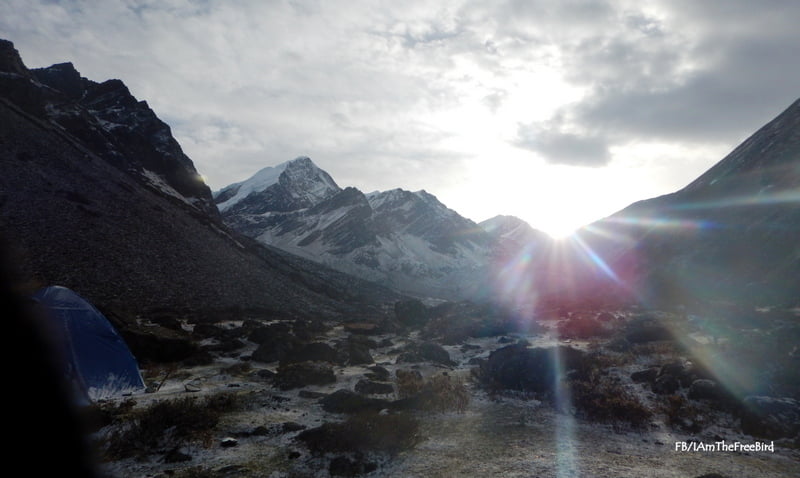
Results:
406 240
730 235
96 195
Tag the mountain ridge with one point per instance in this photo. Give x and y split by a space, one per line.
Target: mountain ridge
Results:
81 207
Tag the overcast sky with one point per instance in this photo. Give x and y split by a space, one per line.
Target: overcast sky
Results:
556 111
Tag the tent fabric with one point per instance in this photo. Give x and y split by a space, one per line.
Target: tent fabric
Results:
95 357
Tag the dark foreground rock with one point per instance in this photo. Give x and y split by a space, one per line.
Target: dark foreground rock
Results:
645 376
411 313
426 352
368 387
369 432
517 367
647 329
705 389
771 418
298 375
344 466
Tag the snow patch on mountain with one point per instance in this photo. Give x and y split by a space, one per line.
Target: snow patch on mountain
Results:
258 182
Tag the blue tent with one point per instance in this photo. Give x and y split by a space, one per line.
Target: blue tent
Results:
97 361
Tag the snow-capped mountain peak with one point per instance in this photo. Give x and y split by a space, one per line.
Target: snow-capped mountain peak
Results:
294 184
404 239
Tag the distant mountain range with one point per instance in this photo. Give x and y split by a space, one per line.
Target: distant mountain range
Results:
406 240
97 195
730 236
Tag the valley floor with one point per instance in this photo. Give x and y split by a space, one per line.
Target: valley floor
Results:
495 435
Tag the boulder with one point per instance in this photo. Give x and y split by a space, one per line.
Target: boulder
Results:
362 340
274 349
344 466
302 374
368 387
678 370
516 367
260 333
704 389
770 418
358 354
666 385
425 352
175 455
645 376
411 313
378 373
209 331
647 330
152 343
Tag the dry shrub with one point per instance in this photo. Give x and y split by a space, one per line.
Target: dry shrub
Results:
443 393
682 414
654 348
364 432
169 423
99 415
439 393
597 396
409 383
238 369
608 402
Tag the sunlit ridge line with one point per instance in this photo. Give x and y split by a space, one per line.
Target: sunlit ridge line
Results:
749 200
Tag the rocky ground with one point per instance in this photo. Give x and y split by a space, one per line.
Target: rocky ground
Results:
459 390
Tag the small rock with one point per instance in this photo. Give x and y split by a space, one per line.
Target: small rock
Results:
267 374
176 456
368 387
378 373
191 387
645 376
289 427
387 342
229 442
666 384
311 395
